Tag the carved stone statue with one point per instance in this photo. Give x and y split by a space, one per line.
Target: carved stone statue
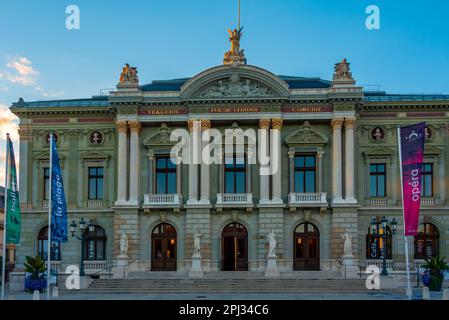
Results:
348 244
235 54
123 245
129 74
196 245
342 71
271 239
378 134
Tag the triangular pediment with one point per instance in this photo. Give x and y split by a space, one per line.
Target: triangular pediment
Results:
160 138
306 135
431 150
378 151
45 155
94 155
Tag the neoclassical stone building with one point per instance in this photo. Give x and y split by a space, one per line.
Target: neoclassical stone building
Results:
339 170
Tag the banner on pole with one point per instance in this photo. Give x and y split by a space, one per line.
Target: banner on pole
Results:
58 202
13 218
412 153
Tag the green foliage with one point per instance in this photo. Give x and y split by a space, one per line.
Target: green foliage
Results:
435 265
35 266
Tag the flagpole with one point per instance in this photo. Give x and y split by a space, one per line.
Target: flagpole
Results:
239 16
49 219
407 261
5 219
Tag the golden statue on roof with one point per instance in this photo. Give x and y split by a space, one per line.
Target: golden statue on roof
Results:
235 54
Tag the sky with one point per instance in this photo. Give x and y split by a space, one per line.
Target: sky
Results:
40 59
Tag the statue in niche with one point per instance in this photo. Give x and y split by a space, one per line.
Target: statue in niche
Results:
348 244
378 134
271 239
196 245
123 245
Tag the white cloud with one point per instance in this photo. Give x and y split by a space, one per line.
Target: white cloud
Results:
51 94
8 124
22 72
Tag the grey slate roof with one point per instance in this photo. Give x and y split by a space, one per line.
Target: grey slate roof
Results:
381 96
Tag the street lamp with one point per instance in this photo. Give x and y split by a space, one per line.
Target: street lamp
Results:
375 231
82 238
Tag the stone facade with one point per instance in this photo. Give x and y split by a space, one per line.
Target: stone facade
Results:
333 121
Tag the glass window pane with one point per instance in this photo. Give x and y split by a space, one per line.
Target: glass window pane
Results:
300 228
310 181
240 182
372 186
299 161
171 164
171 188
160 183
240 162
381 186
310 161
100 188
381 168
373 168
229 182
161 163
92 189
100 171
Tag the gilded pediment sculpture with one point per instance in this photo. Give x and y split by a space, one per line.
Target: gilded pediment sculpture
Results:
235 55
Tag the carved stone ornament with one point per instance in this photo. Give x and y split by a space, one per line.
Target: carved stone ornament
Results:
129 74
234 86
162 137
235 55
306 135
96 138
377 134
342 71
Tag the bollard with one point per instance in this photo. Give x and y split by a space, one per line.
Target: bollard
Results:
55 292
426 293
446 294
36 295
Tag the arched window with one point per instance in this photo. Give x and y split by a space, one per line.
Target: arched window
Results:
95 244
42 246
426 242
375 243
306 247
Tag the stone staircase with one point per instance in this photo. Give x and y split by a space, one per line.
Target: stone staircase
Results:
227 282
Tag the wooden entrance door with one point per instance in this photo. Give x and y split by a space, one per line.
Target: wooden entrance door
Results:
234 256
306 247
163 248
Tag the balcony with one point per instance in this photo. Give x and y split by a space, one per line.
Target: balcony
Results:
157 201
307 199
427 201
234 200
377 202
92 266
94 204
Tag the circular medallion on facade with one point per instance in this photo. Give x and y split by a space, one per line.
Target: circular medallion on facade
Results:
96 137
377 134
48 137
427 133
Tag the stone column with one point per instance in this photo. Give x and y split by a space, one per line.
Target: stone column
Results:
122 176
277 176
320 155
204 199
25 168
151 171
193 167
349 160
264 124
336 124
291 173
134 163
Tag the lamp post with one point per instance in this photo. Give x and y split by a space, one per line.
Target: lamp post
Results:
375 231
82 237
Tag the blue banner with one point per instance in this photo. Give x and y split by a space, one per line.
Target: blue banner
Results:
58 202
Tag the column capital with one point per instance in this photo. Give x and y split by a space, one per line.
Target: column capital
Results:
291 154
320 154
134 126
264 123
205 124
276 123
122 126
337 123
190 124
349 123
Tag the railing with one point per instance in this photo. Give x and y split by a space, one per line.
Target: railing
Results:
418 263
427 201
92 266
307 198
162 200
45 204
377 202
56 265
378 263
243 199
93 204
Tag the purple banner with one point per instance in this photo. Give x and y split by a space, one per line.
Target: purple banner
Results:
412 152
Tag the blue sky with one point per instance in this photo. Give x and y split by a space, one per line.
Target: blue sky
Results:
178 38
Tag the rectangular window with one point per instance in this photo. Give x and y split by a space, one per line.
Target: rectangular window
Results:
165 175
235 174
46 183
378 179
96 179
305 174
427 180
